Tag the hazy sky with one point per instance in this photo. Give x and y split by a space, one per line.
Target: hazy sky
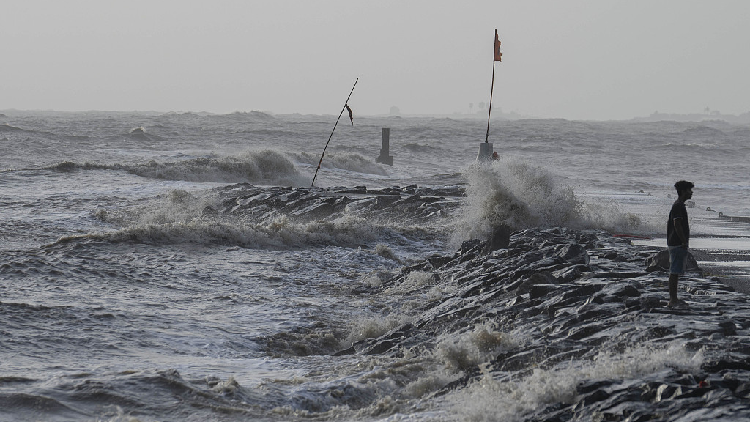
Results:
579 59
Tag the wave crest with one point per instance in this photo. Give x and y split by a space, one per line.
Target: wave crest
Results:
280 233
265 167
259 167
183 217
518 195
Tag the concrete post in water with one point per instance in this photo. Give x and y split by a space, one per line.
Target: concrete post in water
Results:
485 152
384 156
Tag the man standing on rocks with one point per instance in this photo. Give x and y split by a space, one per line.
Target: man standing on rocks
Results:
678 235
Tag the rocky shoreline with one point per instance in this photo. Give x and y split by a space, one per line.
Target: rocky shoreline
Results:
579 323
408 202
573 297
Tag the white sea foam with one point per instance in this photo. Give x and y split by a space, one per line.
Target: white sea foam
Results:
376 278
183 217
385 252
489 399
373 327
519 195
465 350
280 233
414 281
307 294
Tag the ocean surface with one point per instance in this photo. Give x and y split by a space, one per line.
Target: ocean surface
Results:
180 267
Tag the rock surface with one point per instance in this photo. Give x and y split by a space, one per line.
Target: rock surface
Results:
576 295
412 201
568 299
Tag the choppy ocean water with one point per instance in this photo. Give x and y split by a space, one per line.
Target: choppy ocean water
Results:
180 267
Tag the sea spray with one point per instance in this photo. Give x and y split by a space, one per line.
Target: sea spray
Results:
183 217
273 316
464 351
385 252
513 194
367 328
518 195
513 399
175 206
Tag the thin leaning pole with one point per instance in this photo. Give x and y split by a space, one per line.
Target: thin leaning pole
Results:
345 107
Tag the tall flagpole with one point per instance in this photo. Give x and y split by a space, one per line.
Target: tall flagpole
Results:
345 107
489 113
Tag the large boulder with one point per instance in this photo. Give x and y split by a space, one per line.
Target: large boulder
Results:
500 238
574 253
660 262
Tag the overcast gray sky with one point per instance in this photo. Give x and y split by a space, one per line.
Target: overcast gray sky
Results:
575 59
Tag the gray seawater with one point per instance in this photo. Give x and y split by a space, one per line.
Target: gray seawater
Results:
127 291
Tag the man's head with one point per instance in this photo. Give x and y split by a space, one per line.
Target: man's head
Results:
684 188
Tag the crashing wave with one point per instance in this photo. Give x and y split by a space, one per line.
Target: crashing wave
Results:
517 195
275 217
261 167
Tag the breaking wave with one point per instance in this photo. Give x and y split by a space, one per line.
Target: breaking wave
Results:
259 167
281 233
518 195
8 128
262 167
511 400
183 217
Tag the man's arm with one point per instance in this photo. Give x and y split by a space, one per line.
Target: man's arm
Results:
678 230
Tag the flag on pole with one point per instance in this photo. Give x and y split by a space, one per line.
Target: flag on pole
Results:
498 58
351 116
498 54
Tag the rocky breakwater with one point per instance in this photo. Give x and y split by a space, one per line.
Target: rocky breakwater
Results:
407 203
581 331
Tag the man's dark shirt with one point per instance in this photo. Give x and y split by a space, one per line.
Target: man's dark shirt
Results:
678 211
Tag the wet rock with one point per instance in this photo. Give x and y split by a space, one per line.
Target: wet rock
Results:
728 328
469 246
666 392
305 204
542 278
540 290
568 310
650 302
438 261
660 262
588 399
500 238
617 292
743 390
569 274
574 253
728 363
